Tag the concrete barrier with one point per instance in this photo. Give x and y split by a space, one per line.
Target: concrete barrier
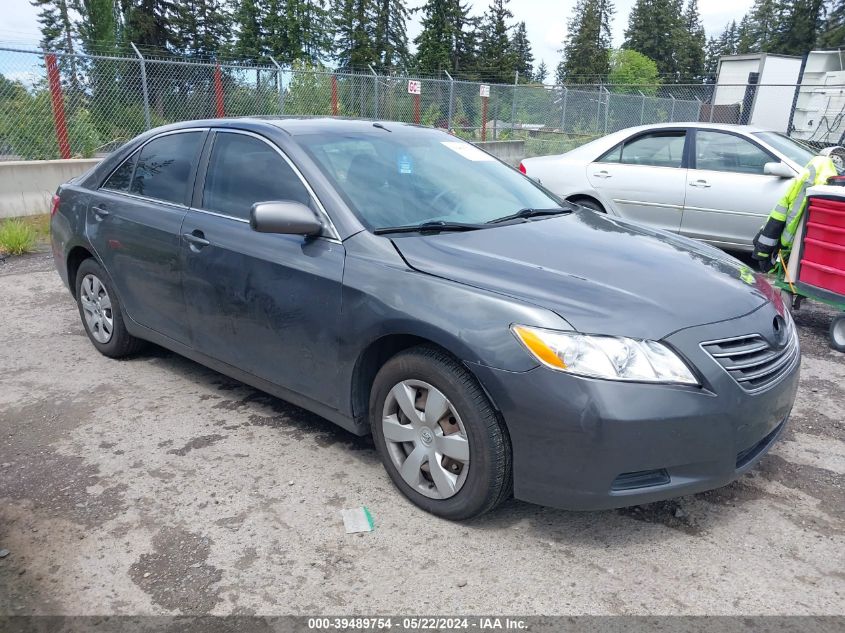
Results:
26 186
509 151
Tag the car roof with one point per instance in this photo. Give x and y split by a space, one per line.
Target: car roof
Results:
730 127
294 125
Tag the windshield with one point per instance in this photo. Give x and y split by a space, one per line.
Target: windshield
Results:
410 176
790 148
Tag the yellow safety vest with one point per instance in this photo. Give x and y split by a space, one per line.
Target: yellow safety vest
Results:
790 208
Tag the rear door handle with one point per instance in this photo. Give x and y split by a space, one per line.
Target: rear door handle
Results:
196 239
602 174
699 183
101 212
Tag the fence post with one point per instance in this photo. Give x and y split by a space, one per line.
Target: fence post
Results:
563 108
513 101
606 109
281 85
375 92
58 105
144 91
672 115
700 105
451 99
483 119
218 91
642 108
334 95
598 107
417 108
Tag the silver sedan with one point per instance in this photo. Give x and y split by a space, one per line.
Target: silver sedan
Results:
715 183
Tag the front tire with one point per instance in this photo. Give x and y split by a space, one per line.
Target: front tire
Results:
837 334
101 313
438 436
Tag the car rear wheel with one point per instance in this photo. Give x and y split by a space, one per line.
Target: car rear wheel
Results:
101 313
438 436
837 334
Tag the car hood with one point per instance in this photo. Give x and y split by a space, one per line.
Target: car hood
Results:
601 274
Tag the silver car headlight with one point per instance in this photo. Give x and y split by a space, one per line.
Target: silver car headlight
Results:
609 357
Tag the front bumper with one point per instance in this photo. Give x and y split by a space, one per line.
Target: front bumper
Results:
586 444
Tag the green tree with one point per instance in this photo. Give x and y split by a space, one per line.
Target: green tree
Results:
97 27
833 34
496 57
542 72
390 38
632 68
57 31
201 27
249 17
586 50
656 29
354 33
693 40
447 39
522 52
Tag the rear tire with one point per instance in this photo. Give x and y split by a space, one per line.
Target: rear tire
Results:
469 472
837 333
590 204
101 313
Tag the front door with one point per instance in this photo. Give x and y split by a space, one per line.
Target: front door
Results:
645 178
267 304
728 195
134 222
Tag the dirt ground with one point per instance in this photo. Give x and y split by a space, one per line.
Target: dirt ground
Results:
155 485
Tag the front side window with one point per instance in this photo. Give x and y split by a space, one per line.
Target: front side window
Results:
243 170
165 165
717 151
120 177
658 149
407 177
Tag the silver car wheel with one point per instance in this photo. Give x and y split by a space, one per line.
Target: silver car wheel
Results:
97 308
837 332
426 439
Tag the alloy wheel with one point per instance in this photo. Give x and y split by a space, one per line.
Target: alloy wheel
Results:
426 439
97 308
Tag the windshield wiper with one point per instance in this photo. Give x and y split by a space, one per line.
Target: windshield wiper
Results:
524 214
430 227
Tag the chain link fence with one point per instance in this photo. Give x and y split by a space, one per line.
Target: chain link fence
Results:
57 105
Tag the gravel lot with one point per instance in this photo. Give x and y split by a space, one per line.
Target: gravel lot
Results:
155 485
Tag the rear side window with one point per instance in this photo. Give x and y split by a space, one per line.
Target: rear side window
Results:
661 149
120 177
243 170
165 166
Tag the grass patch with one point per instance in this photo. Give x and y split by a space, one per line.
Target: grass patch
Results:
17 237
40 224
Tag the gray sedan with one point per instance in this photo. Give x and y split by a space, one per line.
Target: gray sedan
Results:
715 183
395 280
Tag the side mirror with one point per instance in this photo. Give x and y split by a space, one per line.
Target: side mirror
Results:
285 217
781 170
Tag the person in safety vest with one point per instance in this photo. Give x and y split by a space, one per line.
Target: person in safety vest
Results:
785 218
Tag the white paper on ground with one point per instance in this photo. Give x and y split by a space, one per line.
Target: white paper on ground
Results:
357 520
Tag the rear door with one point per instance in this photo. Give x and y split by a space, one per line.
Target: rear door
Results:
645 178
728 195
134 223
267 304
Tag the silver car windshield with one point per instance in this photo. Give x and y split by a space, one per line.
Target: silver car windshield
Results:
407 178
790 148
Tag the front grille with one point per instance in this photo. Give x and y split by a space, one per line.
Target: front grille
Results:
752 361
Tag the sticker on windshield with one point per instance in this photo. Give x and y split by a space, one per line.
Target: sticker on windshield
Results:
468 151
405 164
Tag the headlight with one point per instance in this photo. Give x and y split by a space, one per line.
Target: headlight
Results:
610 357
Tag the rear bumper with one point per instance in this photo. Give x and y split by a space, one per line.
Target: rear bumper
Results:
585 444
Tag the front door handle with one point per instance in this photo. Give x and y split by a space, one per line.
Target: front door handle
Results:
196 240
602 174
101 212
700 183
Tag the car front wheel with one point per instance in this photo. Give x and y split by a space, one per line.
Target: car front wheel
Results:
441 441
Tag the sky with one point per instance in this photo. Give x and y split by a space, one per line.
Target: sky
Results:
545 21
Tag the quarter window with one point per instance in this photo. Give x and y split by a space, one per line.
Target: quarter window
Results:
659 149
717 151
120 177
165 165
243 170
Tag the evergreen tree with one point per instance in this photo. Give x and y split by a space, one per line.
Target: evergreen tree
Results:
55 24
354 33
834 28
496 57
586 50
249 43
803 24
97 27
656 29
202 27
148 23
542 73
391 35
522 53
447 40
693 40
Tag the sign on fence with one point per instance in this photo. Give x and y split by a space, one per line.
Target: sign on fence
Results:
414 87
484 90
